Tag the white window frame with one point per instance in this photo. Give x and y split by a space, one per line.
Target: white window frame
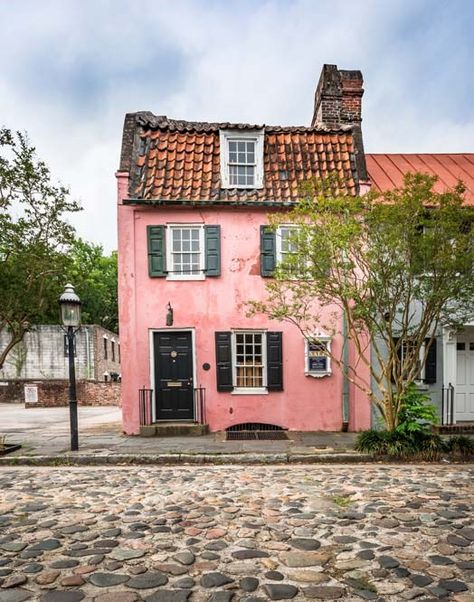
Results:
249 390
297 273
317 339
279 240
256 136
169 253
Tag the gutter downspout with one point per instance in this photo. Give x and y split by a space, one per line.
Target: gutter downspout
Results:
345 376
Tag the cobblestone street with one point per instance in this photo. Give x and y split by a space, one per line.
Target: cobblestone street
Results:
236 533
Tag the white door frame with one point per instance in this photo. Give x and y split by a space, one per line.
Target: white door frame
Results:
450 360
152 385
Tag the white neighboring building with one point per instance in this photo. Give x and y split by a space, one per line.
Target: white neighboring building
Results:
43 354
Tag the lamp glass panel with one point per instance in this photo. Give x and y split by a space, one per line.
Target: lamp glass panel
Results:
71 314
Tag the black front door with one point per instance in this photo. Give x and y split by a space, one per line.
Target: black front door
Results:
173 375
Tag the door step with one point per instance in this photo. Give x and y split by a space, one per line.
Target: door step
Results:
174 429
459 428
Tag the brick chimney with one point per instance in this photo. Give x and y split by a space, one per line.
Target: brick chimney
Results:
338 101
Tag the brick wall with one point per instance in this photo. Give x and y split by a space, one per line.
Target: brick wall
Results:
55 393
111 363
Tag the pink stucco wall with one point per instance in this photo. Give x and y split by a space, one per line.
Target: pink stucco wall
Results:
211 305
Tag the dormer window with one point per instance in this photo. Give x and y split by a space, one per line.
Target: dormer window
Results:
241 159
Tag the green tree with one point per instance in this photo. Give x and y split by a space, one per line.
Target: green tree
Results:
34 238
396 266
95 278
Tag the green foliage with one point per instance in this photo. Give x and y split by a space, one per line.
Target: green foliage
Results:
417 414
461 445
397 444
421 445
375 259
95 278
342 500
34 238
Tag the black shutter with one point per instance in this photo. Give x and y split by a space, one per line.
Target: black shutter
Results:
224 361
213 250
274 361
430 364
267 251
156 251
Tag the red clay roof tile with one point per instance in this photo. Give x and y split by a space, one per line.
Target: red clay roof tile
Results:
181 160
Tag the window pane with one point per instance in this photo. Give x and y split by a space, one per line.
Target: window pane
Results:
249 360
232 146
185 251
241 175
250 176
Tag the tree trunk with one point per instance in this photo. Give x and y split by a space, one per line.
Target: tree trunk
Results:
15 339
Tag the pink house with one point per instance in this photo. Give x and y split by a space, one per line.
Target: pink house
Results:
194 247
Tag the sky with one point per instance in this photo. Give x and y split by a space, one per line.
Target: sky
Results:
71 69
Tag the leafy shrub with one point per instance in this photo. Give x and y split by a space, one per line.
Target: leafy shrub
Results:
417 413
371 442
421 445
460 445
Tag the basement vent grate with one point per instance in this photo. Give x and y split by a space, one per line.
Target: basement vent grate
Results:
252 431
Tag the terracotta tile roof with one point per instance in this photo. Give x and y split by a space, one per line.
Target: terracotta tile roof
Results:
386 171
174 160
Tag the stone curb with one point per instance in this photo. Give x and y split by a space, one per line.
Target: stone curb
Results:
175 459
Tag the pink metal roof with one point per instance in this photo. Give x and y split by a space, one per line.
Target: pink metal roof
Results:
387 170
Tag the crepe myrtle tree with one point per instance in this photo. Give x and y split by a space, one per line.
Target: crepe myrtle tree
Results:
34 238
396 266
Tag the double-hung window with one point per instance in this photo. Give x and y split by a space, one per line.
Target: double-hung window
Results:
185 252
407 353
241 159
285 242
287 252
242 162
425 360
249 360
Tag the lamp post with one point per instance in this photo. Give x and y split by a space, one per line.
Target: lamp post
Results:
71 319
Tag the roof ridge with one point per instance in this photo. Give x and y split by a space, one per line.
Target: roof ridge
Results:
417 154
161 122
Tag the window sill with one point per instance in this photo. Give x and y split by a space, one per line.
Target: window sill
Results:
242 187
421 386
318 374
255 391
190 277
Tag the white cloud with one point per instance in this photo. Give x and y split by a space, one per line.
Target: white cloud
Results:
70 71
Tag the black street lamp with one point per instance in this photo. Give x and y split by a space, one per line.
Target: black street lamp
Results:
71 318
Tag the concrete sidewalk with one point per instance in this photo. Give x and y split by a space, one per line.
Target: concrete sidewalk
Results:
45 432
